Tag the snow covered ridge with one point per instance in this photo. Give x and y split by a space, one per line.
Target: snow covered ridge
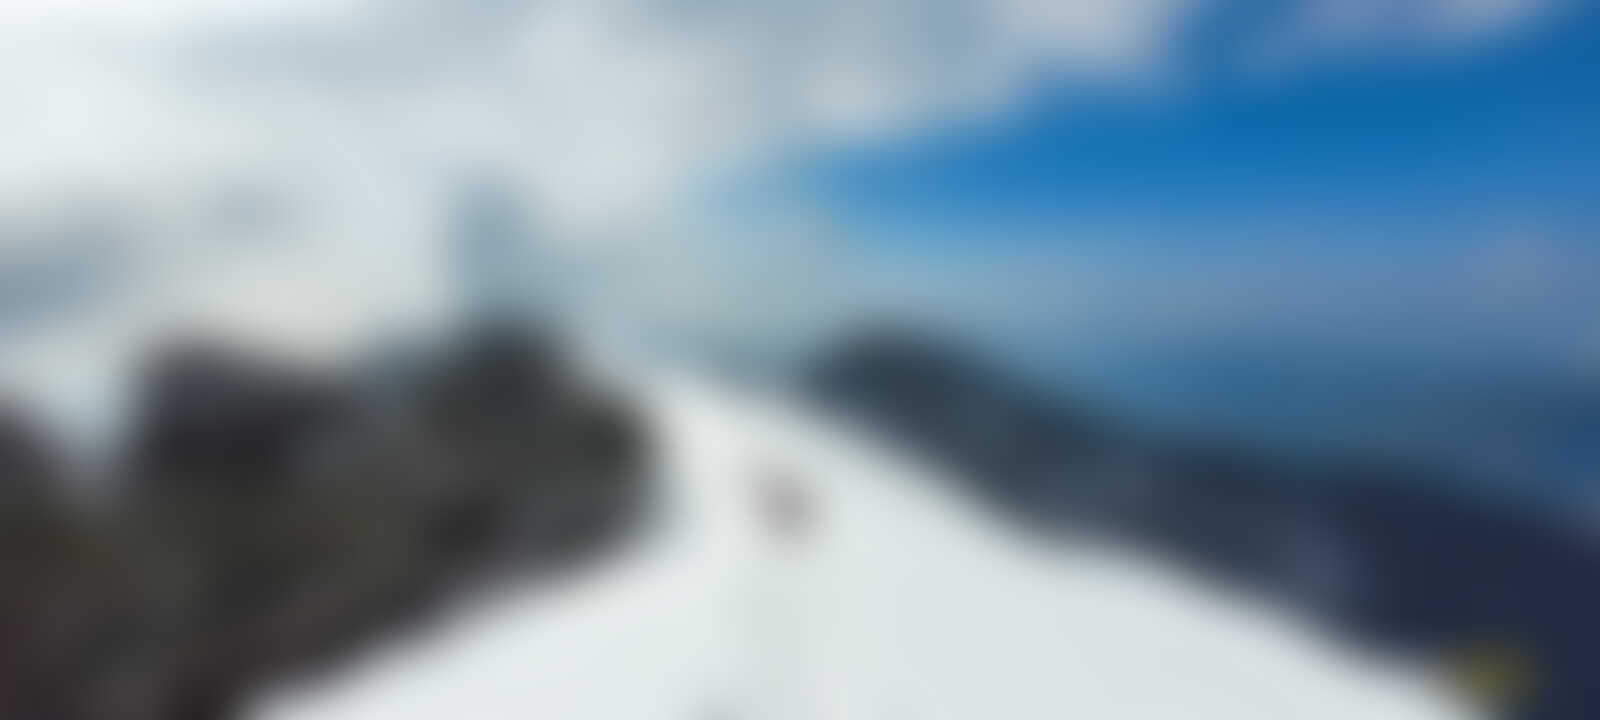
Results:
800 570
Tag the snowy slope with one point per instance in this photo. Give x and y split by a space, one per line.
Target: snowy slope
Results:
894 601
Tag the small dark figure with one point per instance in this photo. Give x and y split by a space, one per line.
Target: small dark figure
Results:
784 505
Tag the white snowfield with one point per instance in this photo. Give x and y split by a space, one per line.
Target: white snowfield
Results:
890 600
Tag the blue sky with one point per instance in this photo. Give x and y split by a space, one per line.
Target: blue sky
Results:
1396 148
1392 202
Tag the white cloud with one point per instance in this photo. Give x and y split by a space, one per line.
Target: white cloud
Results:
606 108
1322 30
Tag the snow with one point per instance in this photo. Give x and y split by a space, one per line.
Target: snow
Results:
894 600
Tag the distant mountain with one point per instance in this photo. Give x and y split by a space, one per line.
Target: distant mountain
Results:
1393 553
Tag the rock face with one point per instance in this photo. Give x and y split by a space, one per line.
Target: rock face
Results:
1395 554
271 517
71 601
